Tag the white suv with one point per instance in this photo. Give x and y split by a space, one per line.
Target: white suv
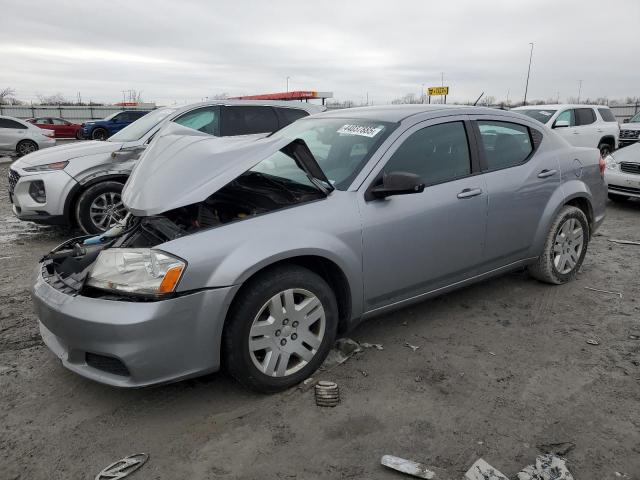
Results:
581 125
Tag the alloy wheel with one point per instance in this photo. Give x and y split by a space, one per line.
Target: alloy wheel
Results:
568 246
106 210
27 147
287 332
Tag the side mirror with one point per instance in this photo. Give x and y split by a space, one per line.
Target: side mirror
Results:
397 183
626 120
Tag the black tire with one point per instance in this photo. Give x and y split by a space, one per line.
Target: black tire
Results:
87 198
545 269
254 295
99 134
614 197
605 149
24 147
79 135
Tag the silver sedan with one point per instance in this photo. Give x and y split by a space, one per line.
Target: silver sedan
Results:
256 253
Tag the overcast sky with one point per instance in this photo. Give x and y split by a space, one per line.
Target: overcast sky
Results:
181 51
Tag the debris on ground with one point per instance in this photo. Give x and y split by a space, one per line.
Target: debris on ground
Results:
559 448
327 394
603 291
481 470
364 373
344 349
634 337
547 467
591 341
347 346
123 467
492 354
412 347
624 242
407 466
377 346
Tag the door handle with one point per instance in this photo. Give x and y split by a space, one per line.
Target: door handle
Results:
469 192
547 173
576 133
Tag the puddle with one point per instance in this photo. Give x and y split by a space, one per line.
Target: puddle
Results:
12 230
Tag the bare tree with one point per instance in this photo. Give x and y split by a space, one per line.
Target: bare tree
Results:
55 99
408 98
219 96
7 95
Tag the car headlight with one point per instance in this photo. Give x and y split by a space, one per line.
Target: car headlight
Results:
136 271
610 163
47 167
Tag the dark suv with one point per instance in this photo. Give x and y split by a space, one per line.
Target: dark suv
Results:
103 129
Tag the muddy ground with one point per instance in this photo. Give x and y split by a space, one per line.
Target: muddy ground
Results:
502 367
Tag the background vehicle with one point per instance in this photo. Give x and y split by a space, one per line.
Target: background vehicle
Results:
62 128
80 183
21 137
623 173
103 129
630 131
264 248
581 125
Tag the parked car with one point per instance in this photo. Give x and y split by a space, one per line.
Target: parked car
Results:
103 129
256 252
630 131
623 173
80 183
20 137
61 127
581 125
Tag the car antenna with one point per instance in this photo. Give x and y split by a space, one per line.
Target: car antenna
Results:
478 99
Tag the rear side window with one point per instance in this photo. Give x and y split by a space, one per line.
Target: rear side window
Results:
205 119
248 120
8 123
607 115
436 154
504 144
290 115
585 116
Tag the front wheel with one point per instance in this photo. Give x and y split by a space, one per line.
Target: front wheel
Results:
99 134
280 329
564 248
100 207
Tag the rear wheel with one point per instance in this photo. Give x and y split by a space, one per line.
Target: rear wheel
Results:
79 134
280 329
614 197
25 147
100 207
99 134
564 248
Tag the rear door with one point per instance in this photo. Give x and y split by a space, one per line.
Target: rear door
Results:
420 242
248 120
520 180
586 126
11 132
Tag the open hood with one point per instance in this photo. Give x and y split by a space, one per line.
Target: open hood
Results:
62 153
184 166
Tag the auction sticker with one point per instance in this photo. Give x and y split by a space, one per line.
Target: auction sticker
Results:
361 130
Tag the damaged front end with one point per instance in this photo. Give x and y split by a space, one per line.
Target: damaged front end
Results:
128 263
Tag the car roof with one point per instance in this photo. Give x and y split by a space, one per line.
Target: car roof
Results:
397 113
311 108
558 106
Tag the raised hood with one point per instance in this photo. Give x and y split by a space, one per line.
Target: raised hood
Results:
184 166
70 151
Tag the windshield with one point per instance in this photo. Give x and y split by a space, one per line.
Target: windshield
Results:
341 146
635 119
542 116
139 128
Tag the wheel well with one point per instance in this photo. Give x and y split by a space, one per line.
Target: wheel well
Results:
584 205
608 140
329 271
70 203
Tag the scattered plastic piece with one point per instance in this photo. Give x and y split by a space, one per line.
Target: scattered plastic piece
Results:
560 448
412 347
604 291
624 242
327 394
481 470
409 467
547 467
123 467
591 341
493 354
377 346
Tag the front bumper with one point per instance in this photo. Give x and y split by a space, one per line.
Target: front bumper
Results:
622 183
154 342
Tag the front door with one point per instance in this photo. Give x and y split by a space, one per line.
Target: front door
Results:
419 242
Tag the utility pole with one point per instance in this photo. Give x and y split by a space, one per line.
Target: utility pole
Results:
422 94
526 88
288 83
579 90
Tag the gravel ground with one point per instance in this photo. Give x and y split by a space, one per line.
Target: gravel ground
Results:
501 367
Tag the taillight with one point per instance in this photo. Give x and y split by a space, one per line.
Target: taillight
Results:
602 164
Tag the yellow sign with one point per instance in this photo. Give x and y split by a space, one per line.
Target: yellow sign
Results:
433 91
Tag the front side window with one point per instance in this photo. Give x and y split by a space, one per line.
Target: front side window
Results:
290 115
635 119
205 119
607 115
340 146
504 144
248 120
59 121
565 119
436 154
585 116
